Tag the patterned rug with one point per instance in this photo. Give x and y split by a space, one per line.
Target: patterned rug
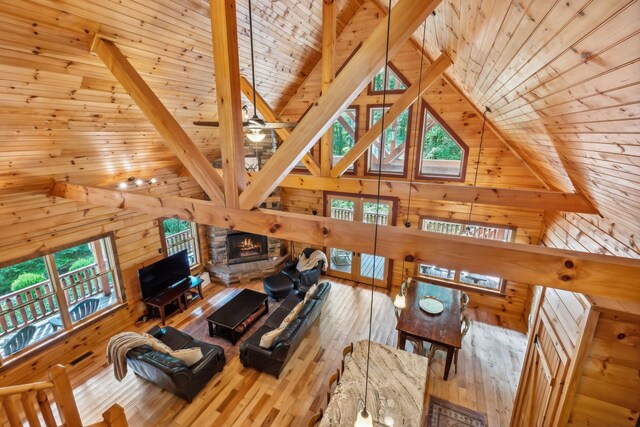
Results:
443 413
200 329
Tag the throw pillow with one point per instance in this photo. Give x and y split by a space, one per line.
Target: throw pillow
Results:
157 345
190 356
311 292
293 313
267 340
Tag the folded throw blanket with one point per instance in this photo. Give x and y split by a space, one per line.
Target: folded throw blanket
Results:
305 263
117 350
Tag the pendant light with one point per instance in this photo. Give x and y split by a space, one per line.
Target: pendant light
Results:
364 418
255 133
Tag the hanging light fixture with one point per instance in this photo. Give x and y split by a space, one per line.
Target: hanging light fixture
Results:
255 133
364 418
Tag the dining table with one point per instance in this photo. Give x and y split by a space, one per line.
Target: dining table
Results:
397 388
443 329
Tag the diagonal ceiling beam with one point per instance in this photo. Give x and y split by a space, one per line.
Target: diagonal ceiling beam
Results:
172 133
406 16
224 33
518 198
271 116
591 274
416 90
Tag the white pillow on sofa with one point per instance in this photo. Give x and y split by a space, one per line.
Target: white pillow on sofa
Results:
156 344
190 356
268 339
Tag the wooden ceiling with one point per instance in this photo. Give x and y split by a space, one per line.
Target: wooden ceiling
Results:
561 79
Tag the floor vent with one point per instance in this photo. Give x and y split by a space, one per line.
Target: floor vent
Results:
81 358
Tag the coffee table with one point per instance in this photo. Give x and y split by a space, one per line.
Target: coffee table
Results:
224 321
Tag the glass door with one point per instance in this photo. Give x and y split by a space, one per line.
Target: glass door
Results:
359 267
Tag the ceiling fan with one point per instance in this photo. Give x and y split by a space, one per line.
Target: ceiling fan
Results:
255 125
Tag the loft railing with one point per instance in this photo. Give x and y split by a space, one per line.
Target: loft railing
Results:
368 217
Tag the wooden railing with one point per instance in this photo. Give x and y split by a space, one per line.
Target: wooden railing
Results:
473 230
369 217
38 301
60 386
341 213
180 241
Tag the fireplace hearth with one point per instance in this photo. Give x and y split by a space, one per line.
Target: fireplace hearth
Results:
246 247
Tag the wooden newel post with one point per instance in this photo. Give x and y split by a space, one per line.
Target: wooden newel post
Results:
115 416
63 394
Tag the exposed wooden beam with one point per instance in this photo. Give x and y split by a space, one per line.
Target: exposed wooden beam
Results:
591 274
328 72
520 198
406 16
224 33
415 91
172 133
269 115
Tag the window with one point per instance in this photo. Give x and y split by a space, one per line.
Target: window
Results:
345 131
442 155
44 296
180 234
393 152
478 231
395 83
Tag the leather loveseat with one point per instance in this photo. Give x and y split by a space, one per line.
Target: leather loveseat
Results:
274 359
173 374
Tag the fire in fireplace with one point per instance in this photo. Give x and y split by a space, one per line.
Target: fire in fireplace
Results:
246 247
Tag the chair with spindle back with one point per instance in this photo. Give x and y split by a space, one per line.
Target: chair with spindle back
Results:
60 386
313 421
465 324
19 340
345 352
333 380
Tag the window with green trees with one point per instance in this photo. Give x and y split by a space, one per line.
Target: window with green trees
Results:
395 137
344 135
441 154
180 234
52 293
394 82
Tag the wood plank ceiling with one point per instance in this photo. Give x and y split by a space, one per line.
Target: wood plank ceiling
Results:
561 79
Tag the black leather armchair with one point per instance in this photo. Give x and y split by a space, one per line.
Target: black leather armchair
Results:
303 280
173 374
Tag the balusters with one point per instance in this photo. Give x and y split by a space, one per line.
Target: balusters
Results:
29 409
45 409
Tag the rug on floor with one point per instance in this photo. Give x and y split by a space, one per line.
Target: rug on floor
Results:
443 413
200 329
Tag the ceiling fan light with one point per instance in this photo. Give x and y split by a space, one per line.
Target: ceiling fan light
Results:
256 135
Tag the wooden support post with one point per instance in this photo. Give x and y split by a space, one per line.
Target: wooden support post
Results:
328 72
63 395
569 270
415 91
227 70
174 136
406 17
271 116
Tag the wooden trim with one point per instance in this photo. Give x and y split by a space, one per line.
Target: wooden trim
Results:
344 89
562 269
224 33
173 135
522 198
418 160
406 143
397 72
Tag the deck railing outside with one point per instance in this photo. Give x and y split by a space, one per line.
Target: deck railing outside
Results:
180 241
369 217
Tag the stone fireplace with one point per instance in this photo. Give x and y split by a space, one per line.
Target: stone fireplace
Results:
246 247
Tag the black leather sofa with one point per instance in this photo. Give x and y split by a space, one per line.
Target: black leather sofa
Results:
273 360
173 374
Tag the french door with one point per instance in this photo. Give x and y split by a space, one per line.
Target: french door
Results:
350 265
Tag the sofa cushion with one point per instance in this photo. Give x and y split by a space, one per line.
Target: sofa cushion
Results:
323 290
190 356
307 309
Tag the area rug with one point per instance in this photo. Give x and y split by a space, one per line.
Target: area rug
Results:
200 328
443 413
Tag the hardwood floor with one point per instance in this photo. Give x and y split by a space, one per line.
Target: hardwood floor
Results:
488 370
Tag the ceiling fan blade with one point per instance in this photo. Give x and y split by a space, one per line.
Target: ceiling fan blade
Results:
280 125
215 124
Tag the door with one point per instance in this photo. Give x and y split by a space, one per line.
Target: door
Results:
360 267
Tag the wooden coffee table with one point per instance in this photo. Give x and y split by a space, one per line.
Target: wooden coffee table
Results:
224 321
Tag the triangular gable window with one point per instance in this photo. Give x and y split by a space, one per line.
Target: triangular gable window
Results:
395 83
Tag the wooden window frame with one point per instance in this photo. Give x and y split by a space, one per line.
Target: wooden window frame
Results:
396 71
196 236
407 142
418 160
456 282
353 171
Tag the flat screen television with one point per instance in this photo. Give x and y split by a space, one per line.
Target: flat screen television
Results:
159 276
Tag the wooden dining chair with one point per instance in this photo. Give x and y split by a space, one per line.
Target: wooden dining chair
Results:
314 420
345 352
464 302
333 380
465 324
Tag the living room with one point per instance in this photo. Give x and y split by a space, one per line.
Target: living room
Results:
414 180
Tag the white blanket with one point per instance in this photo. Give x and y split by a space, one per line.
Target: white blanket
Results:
305 263
117 349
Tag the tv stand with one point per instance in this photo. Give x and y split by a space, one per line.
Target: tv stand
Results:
181 293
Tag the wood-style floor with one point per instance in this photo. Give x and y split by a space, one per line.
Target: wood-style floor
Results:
488 370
